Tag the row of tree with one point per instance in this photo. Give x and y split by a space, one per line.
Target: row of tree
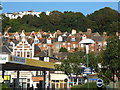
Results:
109 59
105 19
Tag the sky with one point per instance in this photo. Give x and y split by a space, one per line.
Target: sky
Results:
83 7
60 0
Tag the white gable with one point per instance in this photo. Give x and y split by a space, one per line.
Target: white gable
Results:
49 41
60 38
22 34
39 35
32 33
36 40
84 36
64 35
6 34
51 36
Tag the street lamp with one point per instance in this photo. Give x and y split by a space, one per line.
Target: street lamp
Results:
87 42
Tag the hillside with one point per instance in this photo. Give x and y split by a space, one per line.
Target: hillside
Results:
105 19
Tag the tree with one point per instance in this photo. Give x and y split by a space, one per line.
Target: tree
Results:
107 20
62 49
110 58
73 63
105 17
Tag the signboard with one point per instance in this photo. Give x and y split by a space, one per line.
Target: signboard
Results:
99 82
87 70
6 77
18 60
3 58
93 79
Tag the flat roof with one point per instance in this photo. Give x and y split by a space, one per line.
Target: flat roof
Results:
20 63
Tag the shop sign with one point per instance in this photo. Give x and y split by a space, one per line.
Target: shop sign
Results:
3 58
16 59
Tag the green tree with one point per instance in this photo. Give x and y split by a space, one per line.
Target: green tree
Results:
110 58
62 49
104 18
73 63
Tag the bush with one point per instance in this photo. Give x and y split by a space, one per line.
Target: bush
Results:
92 86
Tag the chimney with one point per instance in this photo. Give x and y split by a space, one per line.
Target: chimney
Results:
104 34
117 34
89 31
49 51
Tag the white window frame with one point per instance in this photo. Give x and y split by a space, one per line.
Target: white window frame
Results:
19 53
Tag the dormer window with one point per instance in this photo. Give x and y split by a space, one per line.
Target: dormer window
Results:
49 41
72 39
36 41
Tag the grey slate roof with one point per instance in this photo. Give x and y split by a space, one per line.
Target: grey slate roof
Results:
6 49
97 38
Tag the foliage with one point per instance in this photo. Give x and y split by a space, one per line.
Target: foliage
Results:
72 65
62 49
93 61
4 87
105 19
110 58
92 86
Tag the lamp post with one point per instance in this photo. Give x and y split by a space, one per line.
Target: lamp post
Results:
86 42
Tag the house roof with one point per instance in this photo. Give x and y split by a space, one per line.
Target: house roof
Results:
97 38
41 54
6 49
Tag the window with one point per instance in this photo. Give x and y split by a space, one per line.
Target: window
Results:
18 53
28 54
92 49
68 48
68 43
57 45
92 44
99 44
73 39
48 41
35 41
44 45
82 45
74 46
105 43
28 80
41 73
63 43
